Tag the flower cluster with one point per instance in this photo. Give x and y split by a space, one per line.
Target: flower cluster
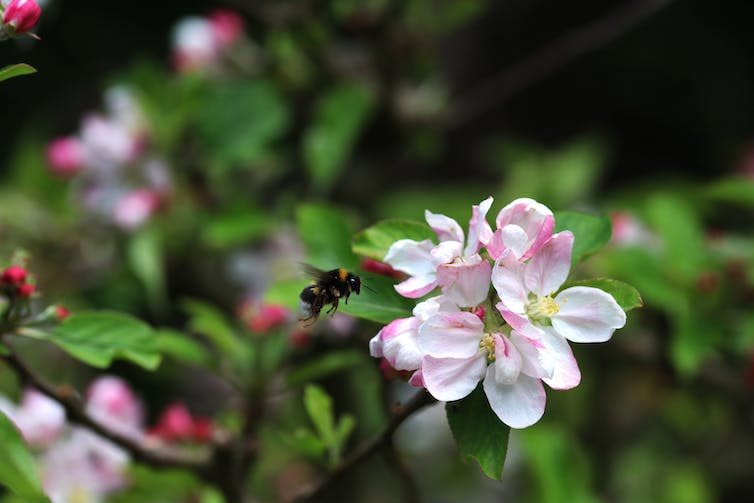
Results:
14 282
199 43
512 338
117 177
18 17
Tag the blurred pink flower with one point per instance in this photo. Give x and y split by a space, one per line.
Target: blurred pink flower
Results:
66 156
176 424
110 401
83 468
107 144
630 231
20 16
193 44
134 208
227 27
40 419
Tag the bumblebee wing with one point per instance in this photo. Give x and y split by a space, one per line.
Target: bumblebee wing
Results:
313 272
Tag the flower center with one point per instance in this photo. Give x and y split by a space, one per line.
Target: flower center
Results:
488 344
541 309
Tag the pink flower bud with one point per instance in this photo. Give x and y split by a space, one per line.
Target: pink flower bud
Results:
177 424
26 290
227 27
110 400
380 268
61 312
66 156
203 429
14 275
20 16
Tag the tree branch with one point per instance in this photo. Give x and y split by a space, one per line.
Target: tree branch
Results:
402 412
548 59
154 455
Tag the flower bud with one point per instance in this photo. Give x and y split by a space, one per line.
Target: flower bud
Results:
66 156
20 16
14 275
26 290
61 312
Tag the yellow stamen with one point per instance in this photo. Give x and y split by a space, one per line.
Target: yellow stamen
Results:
542 308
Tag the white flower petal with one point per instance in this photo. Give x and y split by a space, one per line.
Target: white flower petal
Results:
518 405
587 314
411 257
451 335
445 252
480 231
423 310
515 239
536 360
549 268
449 379
446 228
507 360
508 280
467 282
567 374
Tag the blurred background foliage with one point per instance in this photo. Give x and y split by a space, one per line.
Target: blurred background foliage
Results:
328 116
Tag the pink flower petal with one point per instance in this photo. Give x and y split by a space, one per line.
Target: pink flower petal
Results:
417 286
508 280
445 252
549 268
518 405
567 374
424 310
397 343
514 238
446 228
465 282
587 315
543 235
417 380
449 379
451 335
480 231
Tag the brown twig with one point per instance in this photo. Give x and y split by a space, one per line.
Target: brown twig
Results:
154 455
403 412
548 59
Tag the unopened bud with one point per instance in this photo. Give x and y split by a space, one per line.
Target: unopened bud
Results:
26 290
14 275
20 16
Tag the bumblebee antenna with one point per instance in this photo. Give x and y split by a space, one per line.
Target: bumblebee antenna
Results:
370 289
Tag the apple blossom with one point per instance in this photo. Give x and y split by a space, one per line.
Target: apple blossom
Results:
227 27
39 418
110 401
66 156
460 272
580 314
133 209
523 226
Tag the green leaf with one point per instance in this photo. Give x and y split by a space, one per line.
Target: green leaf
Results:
285 293
181 347
479 433
145 259
339 117
375 241
240 119
590 232
99 337
318 405
209 321
378 301
738 190
679 226
307 443
18 472
8 72
236 227
326 233
624 294
559 465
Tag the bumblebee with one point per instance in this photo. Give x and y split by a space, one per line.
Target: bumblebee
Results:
327 287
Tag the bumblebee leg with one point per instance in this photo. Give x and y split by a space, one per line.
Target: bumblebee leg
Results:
334 306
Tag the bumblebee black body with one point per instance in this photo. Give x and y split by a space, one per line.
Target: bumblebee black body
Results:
327 287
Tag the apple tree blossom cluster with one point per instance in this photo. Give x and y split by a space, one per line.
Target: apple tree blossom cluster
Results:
18 17
79 465
502 316
116 175
201 42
